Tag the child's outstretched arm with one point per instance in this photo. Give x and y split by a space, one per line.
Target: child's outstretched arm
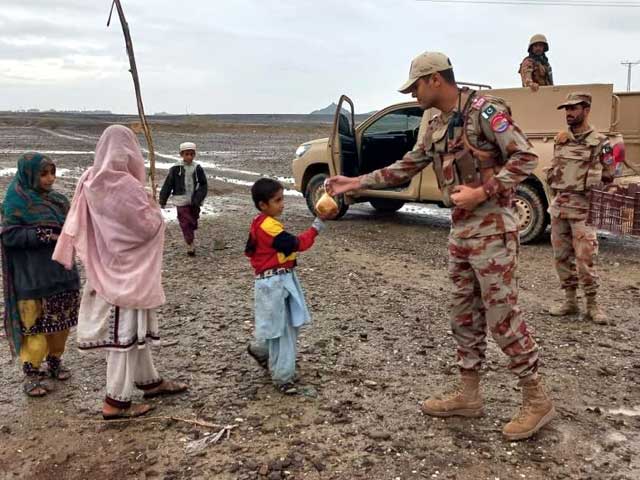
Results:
288 243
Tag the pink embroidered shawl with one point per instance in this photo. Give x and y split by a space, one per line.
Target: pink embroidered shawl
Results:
115 228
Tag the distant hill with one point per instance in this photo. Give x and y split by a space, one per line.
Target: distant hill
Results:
331 110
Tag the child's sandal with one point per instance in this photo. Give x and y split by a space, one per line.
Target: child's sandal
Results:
33 387
287 388
263 362
57 370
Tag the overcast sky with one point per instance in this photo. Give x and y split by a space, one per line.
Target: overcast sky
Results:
267 56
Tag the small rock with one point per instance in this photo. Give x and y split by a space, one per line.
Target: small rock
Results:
613 440
60 457
379 435
264 469
276 475
370 383
5 429
319 465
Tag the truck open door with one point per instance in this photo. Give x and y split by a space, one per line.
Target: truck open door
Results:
342 141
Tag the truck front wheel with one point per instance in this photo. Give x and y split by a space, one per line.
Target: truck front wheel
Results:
315 189
386 205
532 216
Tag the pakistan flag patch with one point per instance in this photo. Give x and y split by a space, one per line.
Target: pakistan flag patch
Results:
489 112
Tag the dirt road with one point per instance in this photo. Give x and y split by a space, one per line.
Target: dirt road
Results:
380 344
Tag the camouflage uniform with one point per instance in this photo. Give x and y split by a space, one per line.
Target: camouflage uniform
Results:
536 72
484 242
536 68
580 161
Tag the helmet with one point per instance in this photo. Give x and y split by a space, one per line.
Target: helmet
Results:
539 38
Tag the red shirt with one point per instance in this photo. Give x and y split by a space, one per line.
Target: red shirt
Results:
270 246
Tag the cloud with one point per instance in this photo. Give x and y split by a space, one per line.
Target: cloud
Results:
278 56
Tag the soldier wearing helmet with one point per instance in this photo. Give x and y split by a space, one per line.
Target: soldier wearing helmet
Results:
535 69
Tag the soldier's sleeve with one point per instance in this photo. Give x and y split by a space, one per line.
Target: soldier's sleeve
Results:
521 159
526 71
560 139
401 171
607 161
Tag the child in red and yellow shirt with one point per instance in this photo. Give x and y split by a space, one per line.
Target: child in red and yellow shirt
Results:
280 307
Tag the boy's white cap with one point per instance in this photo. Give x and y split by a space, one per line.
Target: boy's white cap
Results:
187 146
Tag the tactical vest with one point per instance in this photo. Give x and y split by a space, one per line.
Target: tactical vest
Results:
455 160
576 165
540 75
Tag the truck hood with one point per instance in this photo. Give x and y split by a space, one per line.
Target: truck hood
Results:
316 141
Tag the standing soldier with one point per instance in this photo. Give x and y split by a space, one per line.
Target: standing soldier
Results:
479 156
535 69
582 158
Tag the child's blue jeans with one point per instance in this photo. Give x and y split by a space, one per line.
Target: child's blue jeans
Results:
280 312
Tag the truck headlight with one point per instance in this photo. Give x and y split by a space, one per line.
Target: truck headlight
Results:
302 149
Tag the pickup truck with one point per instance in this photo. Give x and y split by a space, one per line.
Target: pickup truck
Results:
388 134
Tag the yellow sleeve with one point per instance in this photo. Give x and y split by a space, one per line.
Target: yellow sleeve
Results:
272 227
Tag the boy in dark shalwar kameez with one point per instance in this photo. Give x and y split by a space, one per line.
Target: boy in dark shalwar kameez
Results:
187 183
280 307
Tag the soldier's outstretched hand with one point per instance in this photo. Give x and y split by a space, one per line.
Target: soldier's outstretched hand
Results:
341 184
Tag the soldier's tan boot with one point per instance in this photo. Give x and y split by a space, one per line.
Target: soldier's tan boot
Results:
568 307
536 411
466 402
593 313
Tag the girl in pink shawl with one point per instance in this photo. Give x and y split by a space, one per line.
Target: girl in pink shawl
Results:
117 231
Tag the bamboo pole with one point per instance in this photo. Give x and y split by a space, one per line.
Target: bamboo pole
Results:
136 83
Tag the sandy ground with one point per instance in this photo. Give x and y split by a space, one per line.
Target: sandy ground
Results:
380 344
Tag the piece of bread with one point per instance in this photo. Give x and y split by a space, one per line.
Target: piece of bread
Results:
326 206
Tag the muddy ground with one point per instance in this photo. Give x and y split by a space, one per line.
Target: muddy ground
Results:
379 345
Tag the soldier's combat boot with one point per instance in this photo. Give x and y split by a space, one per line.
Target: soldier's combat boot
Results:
536 411
568 307
593 313
466 402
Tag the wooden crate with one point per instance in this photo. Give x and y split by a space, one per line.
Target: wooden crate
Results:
615 209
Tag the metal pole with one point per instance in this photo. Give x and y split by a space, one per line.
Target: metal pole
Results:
629 65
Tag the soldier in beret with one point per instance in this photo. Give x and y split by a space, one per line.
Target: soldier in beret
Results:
582 159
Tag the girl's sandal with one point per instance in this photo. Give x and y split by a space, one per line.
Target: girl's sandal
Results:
135 410
57 370
33 387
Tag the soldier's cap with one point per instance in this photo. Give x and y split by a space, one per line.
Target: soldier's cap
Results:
425 64
187 146
576 98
